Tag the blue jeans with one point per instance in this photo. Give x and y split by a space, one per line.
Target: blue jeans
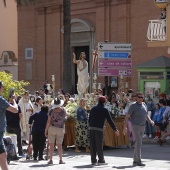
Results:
148 128
2 146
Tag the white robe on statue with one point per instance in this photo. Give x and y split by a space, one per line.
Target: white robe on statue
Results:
83 82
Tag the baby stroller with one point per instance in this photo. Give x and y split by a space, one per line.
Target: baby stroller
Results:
29 148
10 149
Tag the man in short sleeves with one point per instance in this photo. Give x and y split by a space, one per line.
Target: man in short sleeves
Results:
4 105
137 114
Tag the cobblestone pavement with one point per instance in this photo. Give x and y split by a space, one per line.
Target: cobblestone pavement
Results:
154 156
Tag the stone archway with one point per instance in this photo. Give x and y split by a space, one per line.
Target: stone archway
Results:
82 35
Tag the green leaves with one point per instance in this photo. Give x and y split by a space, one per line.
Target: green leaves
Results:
9 83
21 2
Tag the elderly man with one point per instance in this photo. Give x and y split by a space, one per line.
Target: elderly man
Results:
4 105
138 114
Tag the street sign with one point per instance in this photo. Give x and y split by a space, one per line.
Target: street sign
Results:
114 72
114 54
102 46
114 63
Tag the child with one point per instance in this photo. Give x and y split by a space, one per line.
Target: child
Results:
158 132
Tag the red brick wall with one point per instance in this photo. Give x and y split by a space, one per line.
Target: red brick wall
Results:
114 20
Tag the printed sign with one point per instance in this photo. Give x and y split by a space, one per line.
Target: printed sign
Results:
114 55
114 72
114 63
113 47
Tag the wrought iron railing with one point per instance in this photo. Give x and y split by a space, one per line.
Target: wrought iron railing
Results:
157 30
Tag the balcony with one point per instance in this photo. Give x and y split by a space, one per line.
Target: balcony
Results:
156 33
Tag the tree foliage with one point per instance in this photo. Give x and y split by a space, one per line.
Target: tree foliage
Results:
10 83
20 2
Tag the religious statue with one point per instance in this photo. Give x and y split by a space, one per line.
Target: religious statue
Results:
82 72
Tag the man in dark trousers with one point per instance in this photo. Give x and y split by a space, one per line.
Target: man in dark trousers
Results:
98 115
13 126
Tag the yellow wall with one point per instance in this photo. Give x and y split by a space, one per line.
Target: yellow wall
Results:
8 27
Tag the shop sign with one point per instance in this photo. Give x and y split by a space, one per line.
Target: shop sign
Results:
152 77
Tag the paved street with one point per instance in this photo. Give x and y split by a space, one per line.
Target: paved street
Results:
154 156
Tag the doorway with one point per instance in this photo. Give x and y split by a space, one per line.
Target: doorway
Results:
77 51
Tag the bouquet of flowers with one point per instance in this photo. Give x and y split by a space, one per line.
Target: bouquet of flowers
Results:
114 111
71 110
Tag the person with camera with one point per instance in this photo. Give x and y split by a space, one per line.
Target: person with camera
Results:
4 105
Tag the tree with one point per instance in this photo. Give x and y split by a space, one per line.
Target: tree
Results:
19 2
9 83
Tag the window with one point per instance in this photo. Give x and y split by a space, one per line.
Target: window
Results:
29 53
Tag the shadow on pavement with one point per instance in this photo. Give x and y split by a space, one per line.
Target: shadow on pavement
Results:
90 166
123 167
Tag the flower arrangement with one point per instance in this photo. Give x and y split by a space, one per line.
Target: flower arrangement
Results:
71 110
114 111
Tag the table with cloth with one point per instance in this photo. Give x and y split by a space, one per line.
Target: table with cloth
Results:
110 138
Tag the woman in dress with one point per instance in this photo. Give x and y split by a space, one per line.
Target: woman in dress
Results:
82 127
55 128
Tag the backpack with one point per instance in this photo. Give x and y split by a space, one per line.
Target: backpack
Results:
10 147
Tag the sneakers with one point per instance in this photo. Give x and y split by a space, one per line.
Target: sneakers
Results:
50 162
156 137
24 143
102 162
40 159
61 162
138 163
22 155
150 136
134 163
167 138
145 136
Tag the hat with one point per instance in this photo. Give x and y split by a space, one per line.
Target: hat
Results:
26 91
102 99
57 102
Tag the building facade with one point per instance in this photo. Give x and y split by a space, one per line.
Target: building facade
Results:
40 38
9 39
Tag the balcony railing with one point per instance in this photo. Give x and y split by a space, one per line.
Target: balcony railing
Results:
157 30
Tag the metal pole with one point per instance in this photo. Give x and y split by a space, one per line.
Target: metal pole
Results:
106 80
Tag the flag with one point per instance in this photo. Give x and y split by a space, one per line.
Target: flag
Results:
95 55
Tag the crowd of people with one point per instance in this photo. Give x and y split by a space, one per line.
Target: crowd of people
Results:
47 122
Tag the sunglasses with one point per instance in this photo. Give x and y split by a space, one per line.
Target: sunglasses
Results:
140 97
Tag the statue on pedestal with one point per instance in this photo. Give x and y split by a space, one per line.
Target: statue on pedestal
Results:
82 72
